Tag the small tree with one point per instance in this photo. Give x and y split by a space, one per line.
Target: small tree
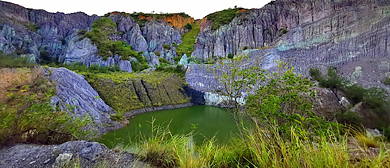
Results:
284 101
230 56
188 26
235 78
386 81
333 82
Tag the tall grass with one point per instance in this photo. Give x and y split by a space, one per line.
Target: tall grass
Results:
188 41
262 147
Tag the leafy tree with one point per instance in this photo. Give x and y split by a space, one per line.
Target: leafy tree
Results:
386 81
230 56
355 93
235 80
332 81
284 101
315 73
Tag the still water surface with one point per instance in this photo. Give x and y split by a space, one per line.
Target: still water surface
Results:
204 121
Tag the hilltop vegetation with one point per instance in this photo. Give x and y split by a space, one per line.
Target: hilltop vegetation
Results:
223 17
141 17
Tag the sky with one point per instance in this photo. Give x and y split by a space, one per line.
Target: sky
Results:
195 8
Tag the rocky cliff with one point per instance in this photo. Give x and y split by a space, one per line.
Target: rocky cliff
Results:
126 92
33 33
74 93
351 35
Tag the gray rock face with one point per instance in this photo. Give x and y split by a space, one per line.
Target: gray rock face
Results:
89 154
343 34
34 30
29 31
73 91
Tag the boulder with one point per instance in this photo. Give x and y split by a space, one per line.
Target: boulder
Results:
72 90
83 153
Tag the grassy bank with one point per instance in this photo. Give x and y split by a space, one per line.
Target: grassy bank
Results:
260 147
188 40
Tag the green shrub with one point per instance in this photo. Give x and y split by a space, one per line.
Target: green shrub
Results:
332 81
163 60
315 73
32 26
195 59
348 118
282 32
376 99
138 66
13 61
245 48
117 117
166 46
81 32
177 59
44 57
157 53
355 93
386 81
188 26
230 56
177 69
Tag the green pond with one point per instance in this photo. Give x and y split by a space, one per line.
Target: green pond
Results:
204 122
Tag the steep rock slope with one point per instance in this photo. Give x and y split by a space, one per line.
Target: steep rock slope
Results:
74 93
31 33
351 35
125 92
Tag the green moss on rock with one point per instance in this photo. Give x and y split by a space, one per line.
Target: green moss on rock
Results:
129 91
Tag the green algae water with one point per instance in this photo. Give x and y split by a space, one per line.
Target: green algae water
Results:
204 122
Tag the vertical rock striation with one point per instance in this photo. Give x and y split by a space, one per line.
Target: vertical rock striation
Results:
344 34
30 32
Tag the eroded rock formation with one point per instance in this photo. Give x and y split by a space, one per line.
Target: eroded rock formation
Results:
343 34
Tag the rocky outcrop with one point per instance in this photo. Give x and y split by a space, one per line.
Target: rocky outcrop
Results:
140 91
158 34
73 91
30 32
178 21
343 34
82 153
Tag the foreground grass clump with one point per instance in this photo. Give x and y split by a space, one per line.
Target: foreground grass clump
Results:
188 40
261 147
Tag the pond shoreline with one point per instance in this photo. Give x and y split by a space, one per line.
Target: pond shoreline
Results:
135 112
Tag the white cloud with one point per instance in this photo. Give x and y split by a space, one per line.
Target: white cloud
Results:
195 8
